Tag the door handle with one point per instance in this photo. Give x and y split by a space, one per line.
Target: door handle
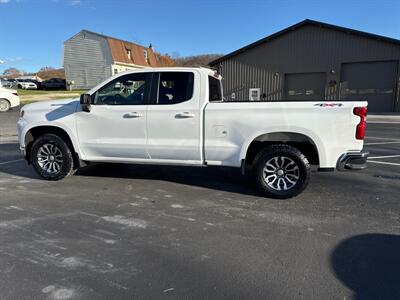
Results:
184 115
132 115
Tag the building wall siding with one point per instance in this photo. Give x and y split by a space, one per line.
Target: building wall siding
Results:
87 60
307 49
123 67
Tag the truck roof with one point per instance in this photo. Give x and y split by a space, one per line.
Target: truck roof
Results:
205 71
164 69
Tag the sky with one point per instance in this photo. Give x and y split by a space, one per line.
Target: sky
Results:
33 31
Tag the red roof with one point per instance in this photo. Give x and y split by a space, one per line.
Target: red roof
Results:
130 53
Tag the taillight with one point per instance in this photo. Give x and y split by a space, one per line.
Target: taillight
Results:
362 113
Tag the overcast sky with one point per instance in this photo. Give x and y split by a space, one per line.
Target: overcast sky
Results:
33 31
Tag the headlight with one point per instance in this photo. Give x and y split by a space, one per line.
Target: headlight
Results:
21 113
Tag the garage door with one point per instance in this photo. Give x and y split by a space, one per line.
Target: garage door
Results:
374 82
305 86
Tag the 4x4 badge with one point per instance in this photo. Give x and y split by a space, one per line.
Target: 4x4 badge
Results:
329 104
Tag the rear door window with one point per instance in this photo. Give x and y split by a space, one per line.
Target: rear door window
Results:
175 87
214 89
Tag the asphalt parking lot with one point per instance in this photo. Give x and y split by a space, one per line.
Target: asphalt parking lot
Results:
143 232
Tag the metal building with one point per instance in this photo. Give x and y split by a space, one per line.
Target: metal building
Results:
315 61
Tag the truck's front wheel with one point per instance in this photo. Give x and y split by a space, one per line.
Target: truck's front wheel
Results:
281 171
51 157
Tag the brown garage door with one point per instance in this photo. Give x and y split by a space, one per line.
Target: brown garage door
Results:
374 82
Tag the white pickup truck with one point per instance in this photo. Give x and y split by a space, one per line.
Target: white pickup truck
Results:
179 116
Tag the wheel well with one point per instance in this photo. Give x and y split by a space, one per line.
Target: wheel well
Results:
6 100
36 132
297 140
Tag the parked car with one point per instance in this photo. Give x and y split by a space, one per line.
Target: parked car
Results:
178 116
8 99
38 83
25 84
5 83
54 84
12 83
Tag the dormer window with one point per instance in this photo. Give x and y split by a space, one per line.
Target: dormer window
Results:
146 57
129 53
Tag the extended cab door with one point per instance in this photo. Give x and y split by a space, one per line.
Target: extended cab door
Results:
115 127
173 117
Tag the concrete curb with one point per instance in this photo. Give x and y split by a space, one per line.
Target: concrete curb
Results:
386 117
8 139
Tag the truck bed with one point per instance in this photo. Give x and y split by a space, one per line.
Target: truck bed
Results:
230 127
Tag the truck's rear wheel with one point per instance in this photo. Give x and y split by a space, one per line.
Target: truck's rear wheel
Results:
51 157
281 171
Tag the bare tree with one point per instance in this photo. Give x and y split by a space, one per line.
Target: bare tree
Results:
47 68
49 72
12 72
196 60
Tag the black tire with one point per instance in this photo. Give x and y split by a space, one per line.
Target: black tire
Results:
62 157
290 176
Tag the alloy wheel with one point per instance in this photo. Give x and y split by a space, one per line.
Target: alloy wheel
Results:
281 173
4 105
50 158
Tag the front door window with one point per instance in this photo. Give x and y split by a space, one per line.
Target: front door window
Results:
128 89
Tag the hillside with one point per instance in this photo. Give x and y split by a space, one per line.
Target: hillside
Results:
196 60
51 73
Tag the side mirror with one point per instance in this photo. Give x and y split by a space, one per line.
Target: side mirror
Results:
85 102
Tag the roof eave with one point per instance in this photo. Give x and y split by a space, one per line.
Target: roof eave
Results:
115 62
298 25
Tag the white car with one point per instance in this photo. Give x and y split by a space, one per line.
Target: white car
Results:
25 84
178 116
8 99
5 83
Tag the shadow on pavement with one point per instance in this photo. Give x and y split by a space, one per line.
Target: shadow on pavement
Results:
217 178
369 264
12 163
9 151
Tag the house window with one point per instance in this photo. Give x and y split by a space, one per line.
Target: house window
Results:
115 71
129 53
146 57
254 94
